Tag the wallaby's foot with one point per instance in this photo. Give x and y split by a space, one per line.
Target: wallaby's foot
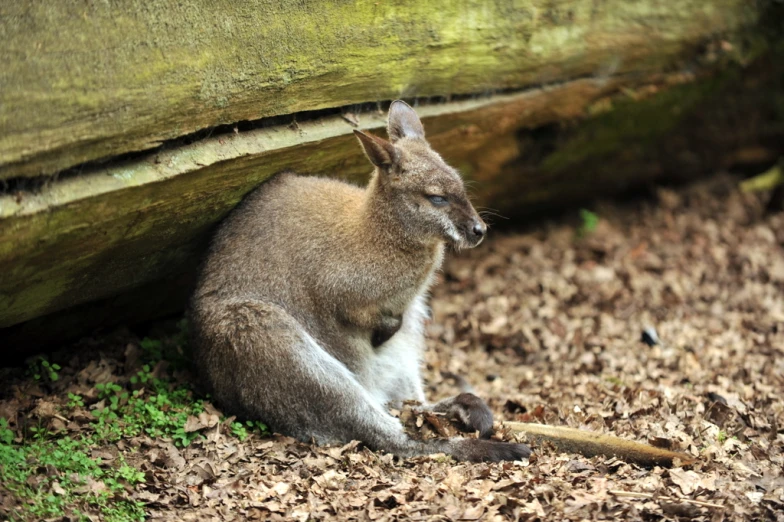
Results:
471 413
476 450
388 327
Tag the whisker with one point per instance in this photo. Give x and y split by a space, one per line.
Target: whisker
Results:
490 217
484 213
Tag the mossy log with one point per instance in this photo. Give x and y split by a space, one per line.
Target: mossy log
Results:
117 227
119 241
85 81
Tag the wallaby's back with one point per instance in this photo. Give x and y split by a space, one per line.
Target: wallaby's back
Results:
266 247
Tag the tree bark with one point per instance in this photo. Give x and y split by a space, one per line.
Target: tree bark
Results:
86 81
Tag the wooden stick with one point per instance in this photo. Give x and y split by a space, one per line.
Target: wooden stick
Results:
590 444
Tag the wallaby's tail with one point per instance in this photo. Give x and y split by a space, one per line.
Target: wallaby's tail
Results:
260 362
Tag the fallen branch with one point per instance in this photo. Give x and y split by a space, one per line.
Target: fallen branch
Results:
768 180
590 444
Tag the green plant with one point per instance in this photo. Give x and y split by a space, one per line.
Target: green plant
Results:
41 367
73 469
241 431
159 412
142 376
6 434
150 403
107 390
589 222
257 426
130 474
38 432
75 401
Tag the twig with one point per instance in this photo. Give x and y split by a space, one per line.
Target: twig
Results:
635 494
768 180
590 444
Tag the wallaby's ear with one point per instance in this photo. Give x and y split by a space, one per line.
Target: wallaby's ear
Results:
379 151
403 122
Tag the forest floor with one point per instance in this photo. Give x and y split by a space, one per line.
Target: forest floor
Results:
545 324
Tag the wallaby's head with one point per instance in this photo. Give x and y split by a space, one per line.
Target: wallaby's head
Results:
416 188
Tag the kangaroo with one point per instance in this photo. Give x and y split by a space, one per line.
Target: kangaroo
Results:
310 309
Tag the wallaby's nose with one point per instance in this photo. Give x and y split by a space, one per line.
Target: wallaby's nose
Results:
480 229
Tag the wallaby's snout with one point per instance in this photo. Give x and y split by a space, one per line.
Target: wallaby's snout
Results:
472 228
478 231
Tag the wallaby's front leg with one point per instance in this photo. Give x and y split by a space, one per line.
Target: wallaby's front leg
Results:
470 412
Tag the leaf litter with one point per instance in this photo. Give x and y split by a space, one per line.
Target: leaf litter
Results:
546 324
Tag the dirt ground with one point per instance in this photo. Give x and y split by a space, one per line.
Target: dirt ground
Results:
546 325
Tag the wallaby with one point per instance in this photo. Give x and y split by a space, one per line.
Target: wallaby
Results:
310 309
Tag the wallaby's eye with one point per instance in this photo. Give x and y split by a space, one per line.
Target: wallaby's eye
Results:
438 201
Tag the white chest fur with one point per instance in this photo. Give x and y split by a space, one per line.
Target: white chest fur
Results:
392 374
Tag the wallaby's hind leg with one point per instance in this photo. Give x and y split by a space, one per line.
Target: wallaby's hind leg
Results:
259 361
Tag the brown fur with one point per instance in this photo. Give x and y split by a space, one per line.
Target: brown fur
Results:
310 308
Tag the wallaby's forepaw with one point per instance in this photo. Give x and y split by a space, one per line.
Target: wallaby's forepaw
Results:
470 411
388 327
476 450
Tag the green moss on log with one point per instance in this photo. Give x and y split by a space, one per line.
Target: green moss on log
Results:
87 81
